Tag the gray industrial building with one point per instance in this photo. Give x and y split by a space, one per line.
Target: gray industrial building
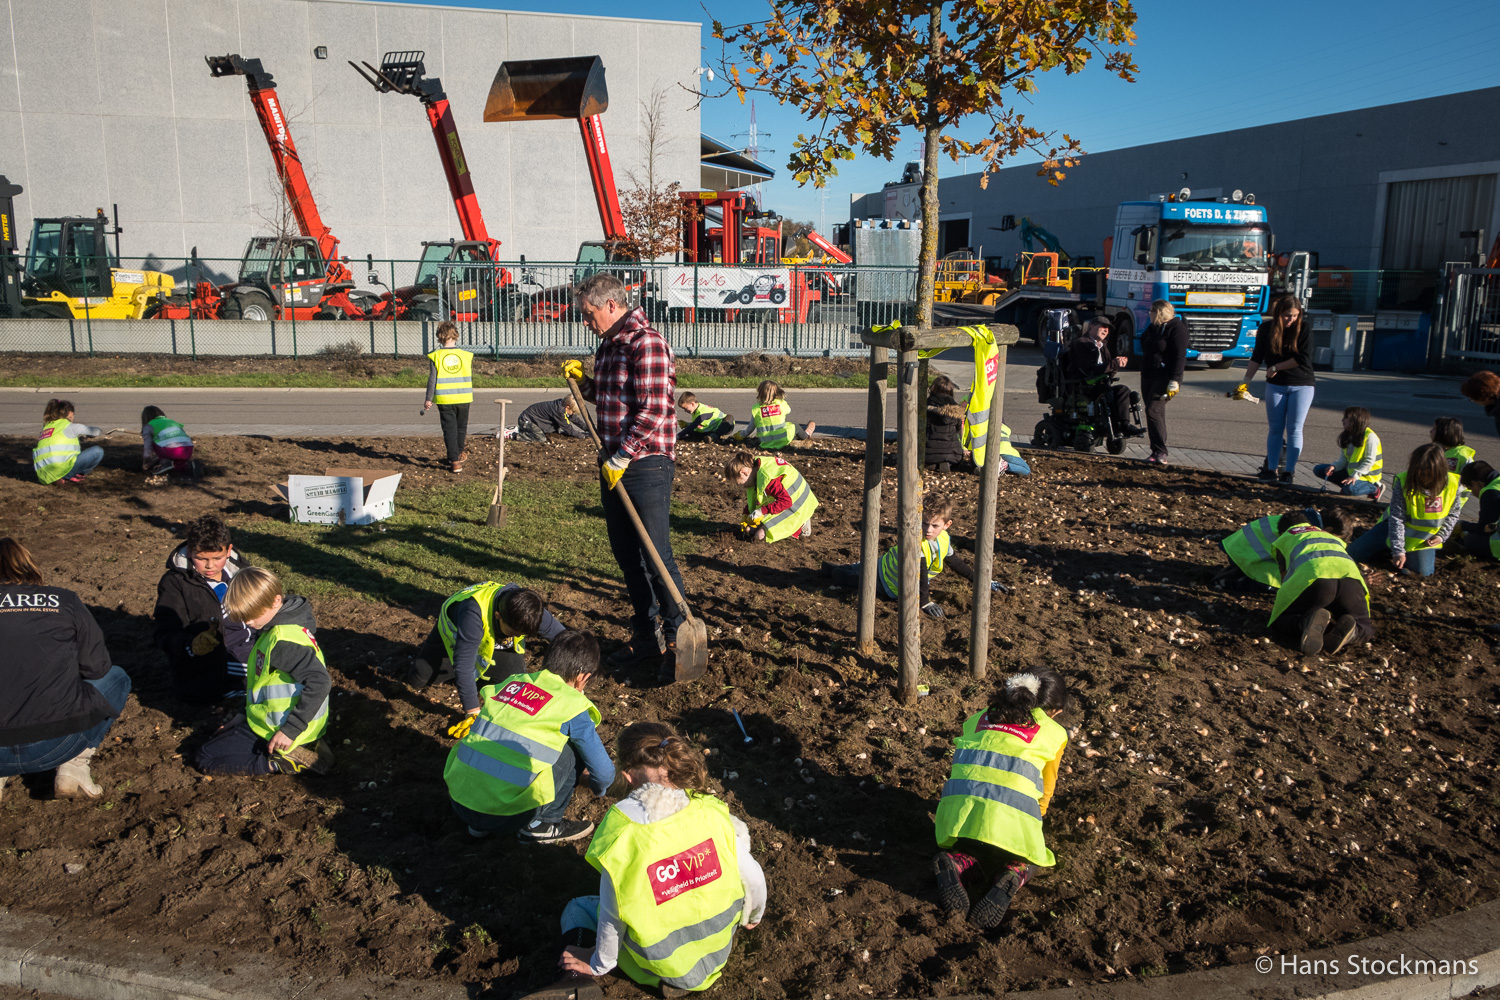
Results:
111 102
1383 188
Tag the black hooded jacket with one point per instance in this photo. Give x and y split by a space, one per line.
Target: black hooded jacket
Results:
945 421
301 664
185 607
52 647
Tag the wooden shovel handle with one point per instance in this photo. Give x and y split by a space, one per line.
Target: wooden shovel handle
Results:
635 519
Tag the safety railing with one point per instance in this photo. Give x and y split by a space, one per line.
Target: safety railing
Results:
1467 321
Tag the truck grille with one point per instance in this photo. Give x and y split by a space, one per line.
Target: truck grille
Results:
1213 333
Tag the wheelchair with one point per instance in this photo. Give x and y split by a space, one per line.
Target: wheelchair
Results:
1081 415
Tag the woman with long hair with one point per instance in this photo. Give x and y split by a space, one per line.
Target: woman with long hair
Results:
1425 505
1283 346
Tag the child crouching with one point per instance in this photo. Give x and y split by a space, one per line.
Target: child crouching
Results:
778 502
989 820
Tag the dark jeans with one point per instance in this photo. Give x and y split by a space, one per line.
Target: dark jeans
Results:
1117 398
455 420
648 482
1154 390
1340 597
46 755
566 775
527 430
432 665
235 750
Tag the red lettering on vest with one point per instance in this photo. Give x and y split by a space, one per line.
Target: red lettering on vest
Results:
1434 504
1024 733
770 410
780 460
527 697
310 637
46 433
684 871
991 369
1299 529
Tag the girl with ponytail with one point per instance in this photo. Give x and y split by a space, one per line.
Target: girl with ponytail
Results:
989 820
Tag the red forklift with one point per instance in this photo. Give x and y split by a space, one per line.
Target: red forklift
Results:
483 290
745 237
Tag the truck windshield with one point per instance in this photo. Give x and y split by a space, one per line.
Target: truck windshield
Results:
1202 248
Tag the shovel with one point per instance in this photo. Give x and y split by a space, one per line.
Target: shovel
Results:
692 636
497 509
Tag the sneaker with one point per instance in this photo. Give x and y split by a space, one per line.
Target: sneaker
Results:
457 466
1379 494
806 531
666 671
1339 633
72 479
163 467
561 832
318 759
1286 475
812 425
1314 623
952 896
988 913
1266 473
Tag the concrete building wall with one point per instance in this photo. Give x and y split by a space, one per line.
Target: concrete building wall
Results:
1324 180
110 101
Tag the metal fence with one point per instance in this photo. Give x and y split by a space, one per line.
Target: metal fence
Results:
1342 290
1467 319
511 309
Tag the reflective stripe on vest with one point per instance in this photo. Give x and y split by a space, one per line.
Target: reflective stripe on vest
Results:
1312 554
678 889
1249 548
455 383
933 554
55 453
1423 523
168 433
1354 456
788 522
995 787
503 767
704 420
986 372
1006 448
271 694
771 425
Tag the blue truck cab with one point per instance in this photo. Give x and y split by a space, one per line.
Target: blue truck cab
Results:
1209 259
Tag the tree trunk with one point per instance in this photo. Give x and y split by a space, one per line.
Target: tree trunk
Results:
927 261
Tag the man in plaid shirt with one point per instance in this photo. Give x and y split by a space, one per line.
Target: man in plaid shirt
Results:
633 390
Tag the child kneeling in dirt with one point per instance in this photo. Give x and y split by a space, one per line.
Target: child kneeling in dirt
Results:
286 686
476 628
778 502
551 416
1252 563
1323 591
206 651
771 425
937 552
676 878
705 422
165 446
518 761
989 820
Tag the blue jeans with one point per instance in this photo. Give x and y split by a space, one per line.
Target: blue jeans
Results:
46 755
1373 549
1015 465
1353 488
648 481
565 776
1286 411
87 461
582 912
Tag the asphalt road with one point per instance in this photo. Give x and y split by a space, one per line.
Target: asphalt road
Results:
1200 417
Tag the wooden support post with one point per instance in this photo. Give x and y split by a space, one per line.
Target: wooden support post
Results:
984 529
869 547
923 376
908 528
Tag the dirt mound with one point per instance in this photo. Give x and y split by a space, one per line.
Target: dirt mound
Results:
1221 796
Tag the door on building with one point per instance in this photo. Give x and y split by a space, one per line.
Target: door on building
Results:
953 234
1422 222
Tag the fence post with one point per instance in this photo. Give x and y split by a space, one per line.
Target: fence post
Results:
395 347
88 322
173 325
984 528
192 335
371 323
72 334
273 338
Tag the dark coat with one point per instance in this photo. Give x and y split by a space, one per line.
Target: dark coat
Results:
1299 349
1083 359
1164 348
186 606
945 420
53 647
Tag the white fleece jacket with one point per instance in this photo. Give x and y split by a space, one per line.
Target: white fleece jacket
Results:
648 804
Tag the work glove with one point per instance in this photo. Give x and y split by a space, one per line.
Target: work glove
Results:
932 610
1172 389
572 369
1241 391
461 728
613 469
205 642
997 587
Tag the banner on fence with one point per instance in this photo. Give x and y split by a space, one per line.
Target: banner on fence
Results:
706 287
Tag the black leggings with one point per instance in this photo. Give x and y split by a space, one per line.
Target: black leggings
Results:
1341 597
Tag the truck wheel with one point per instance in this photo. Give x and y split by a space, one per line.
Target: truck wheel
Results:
423 311
1045 434
1125 340
253 304
1221 364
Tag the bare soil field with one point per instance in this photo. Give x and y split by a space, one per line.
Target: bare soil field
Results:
1221 797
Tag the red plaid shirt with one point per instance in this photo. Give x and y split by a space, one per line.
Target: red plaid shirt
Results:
634 389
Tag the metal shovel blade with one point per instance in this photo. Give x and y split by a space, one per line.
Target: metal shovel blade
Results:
497 516
692 650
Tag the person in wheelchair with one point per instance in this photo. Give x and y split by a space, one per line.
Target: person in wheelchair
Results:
1091 360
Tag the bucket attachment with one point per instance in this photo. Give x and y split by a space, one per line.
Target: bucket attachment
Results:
540 89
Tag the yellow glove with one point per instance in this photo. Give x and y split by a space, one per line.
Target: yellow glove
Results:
749 524
461 728
1241 391
572 369
613 469
205 642
1172 389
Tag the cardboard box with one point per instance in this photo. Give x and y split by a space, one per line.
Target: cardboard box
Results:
341 496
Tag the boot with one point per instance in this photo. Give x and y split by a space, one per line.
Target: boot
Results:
572 985
1339 633
1314 624
990 910
950 881
73 780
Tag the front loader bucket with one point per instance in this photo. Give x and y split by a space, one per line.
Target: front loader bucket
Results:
540 89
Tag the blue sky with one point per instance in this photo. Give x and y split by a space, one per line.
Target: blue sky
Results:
1204 67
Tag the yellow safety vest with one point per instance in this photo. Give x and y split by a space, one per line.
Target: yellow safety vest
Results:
712 418
790 521
503 767
168 433
933 554
484 595
994 792
677 885
771 425
986 374
1424 516
1355 455
1313 554
1006 448
455 382
55 453
1493 484
1459 456
271 694
1249 548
